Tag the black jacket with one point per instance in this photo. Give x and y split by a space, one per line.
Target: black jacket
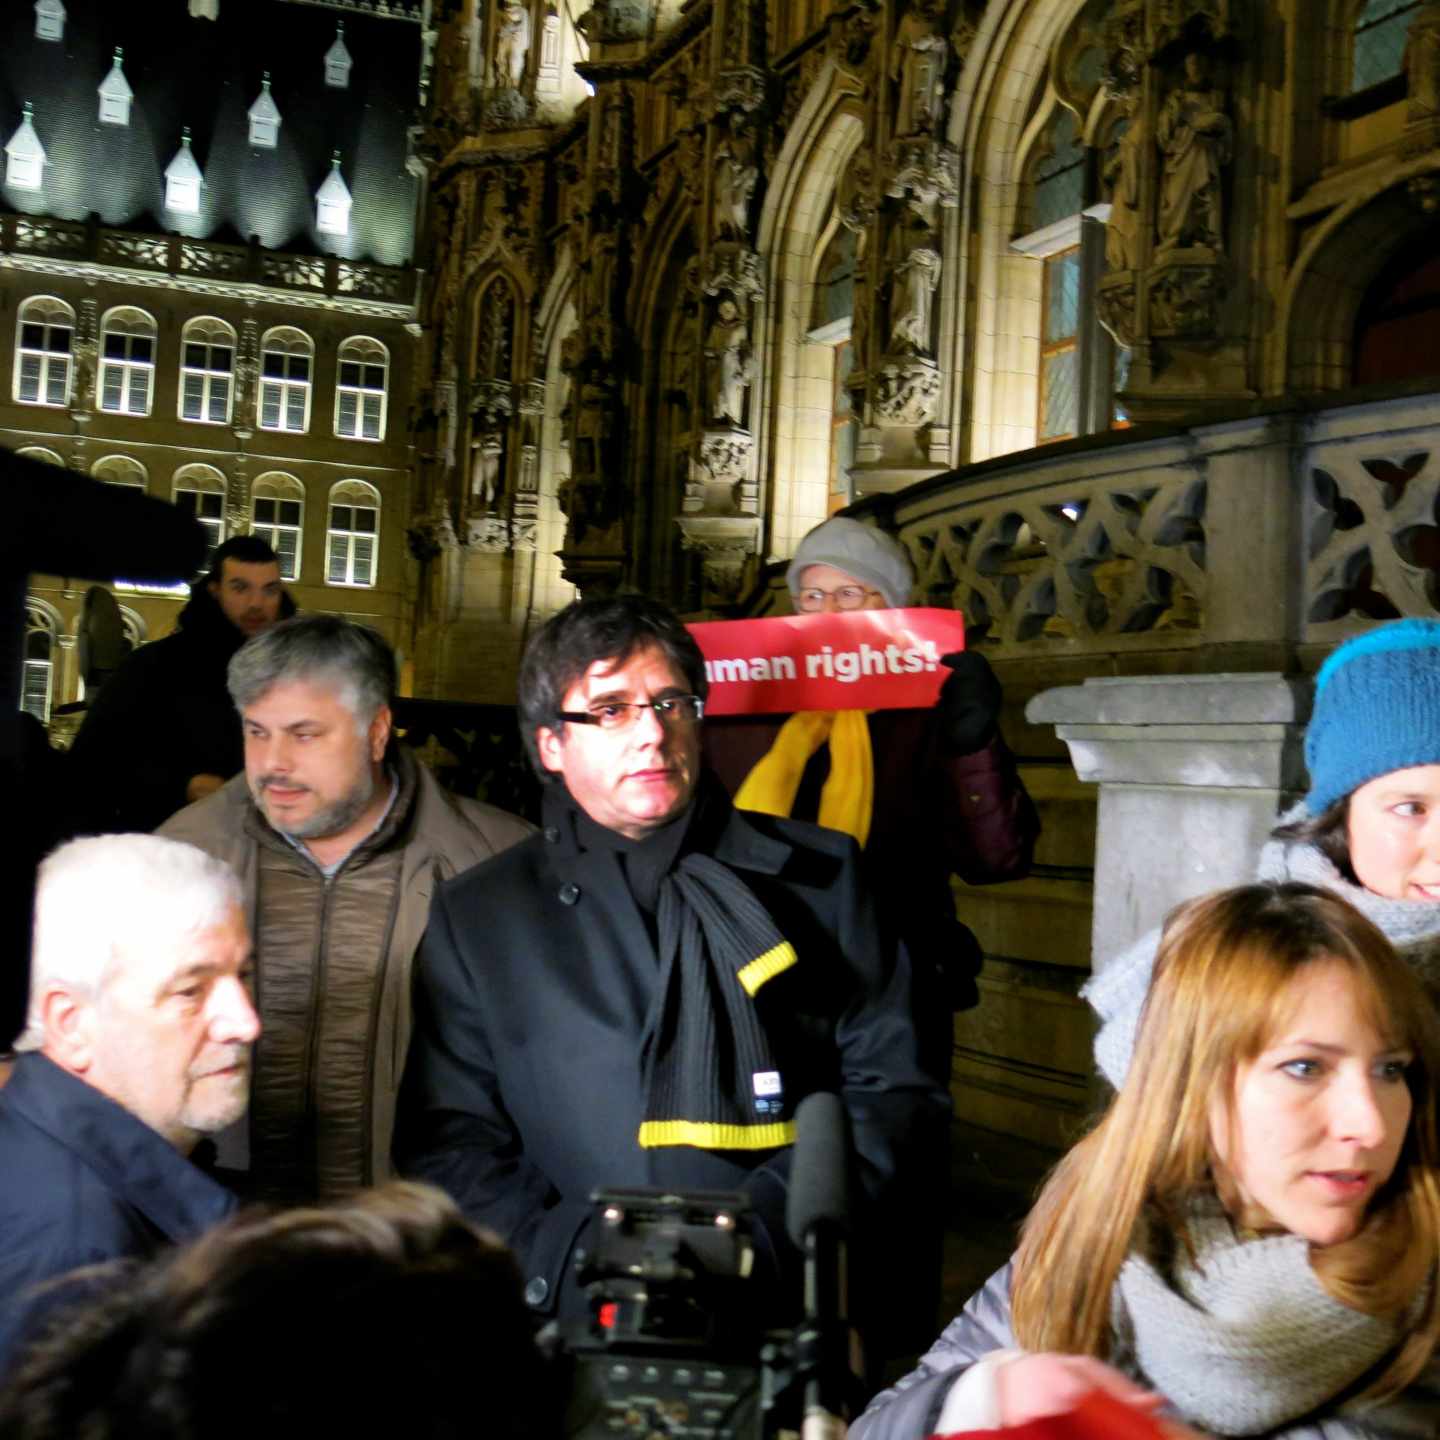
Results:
523 1091
82 1181
163 717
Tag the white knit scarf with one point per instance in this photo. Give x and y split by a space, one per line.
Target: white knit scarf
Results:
1242 1339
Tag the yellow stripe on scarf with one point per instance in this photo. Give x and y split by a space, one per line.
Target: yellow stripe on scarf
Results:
706 1136
766 967
848 800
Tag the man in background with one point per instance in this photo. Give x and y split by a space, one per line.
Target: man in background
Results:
162 731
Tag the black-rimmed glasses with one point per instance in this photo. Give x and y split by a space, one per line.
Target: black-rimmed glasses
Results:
622 714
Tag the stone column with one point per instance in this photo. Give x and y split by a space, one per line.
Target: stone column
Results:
1192 769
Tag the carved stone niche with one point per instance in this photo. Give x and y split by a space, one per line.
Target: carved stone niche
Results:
1186 294
719 482
492 402
924 169
740 89
488 535
906 390
725 545
1115 303
737 268
532 397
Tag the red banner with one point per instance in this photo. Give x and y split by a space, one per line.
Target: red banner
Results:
846 660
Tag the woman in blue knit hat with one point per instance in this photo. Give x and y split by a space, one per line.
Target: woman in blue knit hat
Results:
1369 828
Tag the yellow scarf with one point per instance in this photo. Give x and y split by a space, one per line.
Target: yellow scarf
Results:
848 798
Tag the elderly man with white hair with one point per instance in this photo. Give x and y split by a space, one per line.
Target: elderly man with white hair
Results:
137 1044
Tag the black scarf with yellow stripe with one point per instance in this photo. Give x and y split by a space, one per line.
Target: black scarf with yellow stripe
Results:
711 1078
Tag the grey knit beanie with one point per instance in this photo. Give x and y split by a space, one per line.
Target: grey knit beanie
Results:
870 555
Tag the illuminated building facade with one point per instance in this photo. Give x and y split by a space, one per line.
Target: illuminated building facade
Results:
207 230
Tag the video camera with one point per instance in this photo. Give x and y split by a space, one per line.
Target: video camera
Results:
673 1346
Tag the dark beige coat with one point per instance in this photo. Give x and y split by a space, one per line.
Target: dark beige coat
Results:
334 979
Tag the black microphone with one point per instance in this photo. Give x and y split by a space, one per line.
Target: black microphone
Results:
817 1215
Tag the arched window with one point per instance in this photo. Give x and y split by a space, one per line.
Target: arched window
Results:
119 470
353 535
1378 48
127 361
831 314
38 682
207 366
45 333
360 393
200 491
41 454
286 360
277 516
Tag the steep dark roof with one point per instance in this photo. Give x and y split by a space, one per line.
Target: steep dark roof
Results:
205 74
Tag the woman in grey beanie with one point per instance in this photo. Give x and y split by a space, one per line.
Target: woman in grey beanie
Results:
1368 830
946 795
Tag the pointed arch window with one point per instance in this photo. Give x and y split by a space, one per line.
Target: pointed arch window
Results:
831 320
127 361
25 158
287 359
42 634
44 337
115 93
120 470
200 491
277 516
207 370
264 116
1378 48
352 538
360 392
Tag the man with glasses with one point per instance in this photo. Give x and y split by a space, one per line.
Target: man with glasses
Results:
642 994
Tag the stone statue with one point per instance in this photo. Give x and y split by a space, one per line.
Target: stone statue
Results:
727 348
1196 138
486 450
1122 174
913 282
736 175
917 65
512 45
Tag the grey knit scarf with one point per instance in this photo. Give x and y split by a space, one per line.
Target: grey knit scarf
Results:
1118 988
1242 1339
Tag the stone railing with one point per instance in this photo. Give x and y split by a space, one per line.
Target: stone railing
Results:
1248 537
327 275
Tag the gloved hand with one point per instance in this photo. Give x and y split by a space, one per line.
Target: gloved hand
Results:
969 703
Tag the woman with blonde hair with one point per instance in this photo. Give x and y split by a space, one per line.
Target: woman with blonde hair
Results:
1249 1236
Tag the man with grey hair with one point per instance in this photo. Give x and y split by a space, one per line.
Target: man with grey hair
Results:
137 1044
339 839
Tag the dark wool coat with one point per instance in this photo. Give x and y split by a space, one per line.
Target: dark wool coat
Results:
524 1092
162 718
82 1181
936 814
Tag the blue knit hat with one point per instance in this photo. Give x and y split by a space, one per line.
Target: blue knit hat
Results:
1377 709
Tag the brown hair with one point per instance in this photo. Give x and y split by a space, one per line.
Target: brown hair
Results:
1224 967
388 1314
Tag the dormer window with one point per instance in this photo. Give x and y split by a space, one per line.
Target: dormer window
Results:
183 180
338 61
115 93
25 155
49 19
264 117
332 202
